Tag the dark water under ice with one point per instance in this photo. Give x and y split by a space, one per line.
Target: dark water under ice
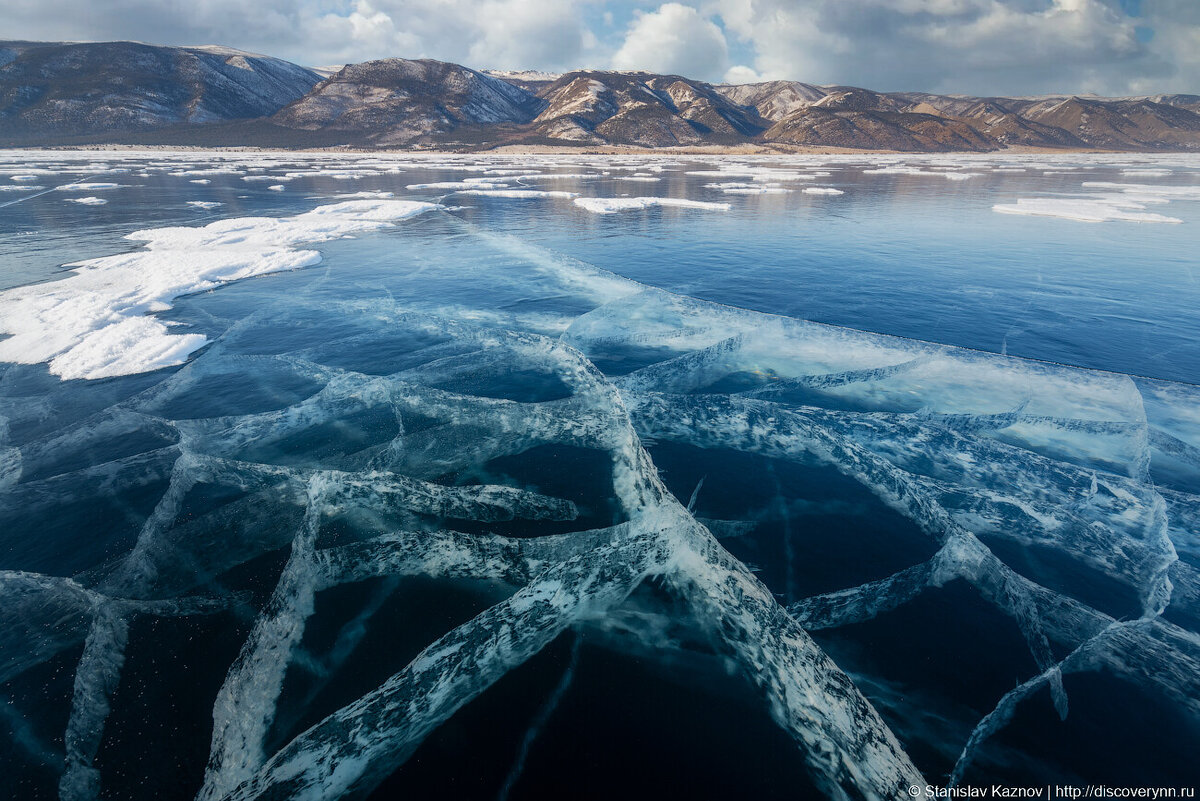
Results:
514 500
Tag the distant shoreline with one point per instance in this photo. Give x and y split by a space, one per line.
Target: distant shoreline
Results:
602 150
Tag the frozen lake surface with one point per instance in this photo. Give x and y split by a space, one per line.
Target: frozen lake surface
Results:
549 476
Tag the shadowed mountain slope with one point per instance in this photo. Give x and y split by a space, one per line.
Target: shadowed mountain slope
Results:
91 93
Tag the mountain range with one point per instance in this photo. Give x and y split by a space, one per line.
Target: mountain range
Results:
59 93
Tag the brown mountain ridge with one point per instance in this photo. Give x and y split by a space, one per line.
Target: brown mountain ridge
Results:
128 92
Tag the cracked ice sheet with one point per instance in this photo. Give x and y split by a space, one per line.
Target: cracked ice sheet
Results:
720 341
868 371
95 324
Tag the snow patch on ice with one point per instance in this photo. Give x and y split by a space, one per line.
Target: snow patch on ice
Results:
612 205
1082 210
451 185
94 324
1191 192
519 193
737 188
208 171
900 169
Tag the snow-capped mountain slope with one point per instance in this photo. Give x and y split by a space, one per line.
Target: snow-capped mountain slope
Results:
641 109
773 100
1119 124
77 93
877 130
90 88
398 100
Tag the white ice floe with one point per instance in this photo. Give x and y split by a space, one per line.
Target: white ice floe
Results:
897 169
340 174
1187 192
740 188
90 200
204 204
280 188
1083 209
550 176
95 323
467 184
642 178
23 178
19 187
265 178
822 190
200 181
87 187
208 171
901 169
518 193
1149 173
359 195
761 174
25 170
611 205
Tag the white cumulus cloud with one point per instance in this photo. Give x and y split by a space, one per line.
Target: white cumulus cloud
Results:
972 46
674 39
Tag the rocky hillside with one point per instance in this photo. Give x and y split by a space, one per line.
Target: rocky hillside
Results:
56 93
396 101
641 109
48 90
877 130
773 100
1162 122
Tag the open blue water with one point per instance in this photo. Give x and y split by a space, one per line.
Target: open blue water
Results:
811 495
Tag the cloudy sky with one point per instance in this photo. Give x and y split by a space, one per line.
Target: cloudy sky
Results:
1111 47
